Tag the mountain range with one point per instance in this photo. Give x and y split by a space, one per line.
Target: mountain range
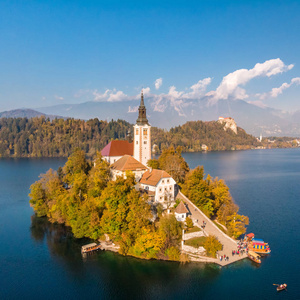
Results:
255 120
25 113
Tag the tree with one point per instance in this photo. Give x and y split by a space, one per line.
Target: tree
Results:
237 224
220 193
212 245
173 253
148 244
172 229
189 222
153 163
76 164
172 162
99 176
38 199
198 190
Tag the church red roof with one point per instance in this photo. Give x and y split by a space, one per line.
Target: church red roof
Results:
117 148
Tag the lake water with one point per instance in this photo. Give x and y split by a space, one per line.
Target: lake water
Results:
39 260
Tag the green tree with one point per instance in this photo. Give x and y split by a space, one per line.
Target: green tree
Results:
76 164
172 162
189 222
212 245
172 230
198 190
173 253
99 176
153 163
38 199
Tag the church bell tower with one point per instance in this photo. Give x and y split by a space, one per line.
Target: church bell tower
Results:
142 135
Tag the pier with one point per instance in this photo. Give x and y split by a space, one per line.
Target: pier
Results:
211 228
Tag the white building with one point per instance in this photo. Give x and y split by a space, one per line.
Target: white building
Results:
160 187
142 136
181 212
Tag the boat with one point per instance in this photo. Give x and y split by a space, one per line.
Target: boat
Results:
90 248
254 257
259 246
249 237
281 287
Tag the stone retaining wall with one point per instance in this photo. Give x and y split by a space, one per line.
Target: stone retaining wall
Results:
193 250
188 236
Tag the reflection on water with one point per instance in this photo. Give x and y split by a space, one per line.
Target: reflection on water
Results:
40 260
117 275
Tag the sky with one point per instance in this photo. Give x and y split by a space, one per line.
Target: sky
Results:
61 52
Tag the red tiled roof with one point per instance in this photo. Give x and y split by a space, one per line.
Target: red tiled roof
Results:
128 163
181 208
117 148
153 177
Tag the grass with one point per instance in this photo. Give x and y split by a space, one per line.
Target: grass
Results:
196 242
220 227
194 229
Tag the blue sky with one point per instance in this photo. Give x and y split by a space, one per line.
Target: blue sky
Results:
55 52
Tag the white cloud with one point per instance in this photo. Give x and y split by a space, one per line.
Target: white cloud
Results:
133 109
158 83
117 96
277 91
146 91
58 97
180 99
109 96
230 85
99 96
198 89
258 103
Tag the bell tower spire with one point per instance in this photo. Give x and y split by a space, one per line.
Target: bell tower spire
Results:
142 119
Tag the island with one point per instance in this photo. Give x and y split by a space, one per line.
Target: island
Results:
139 206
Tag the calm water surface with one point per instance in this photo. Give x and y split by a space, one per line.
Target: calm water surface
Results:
42 260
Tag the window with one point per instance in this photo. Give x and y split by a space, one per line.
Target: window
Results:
160 189
137 131
145 142
170 188
137 142
168 180
160 197
162 181
165 188
145 131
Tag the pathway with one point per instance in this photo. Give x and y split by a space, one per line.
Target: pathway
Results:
228 243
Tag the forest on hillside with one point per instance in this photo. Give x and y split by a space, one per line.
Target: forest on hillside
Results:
192 135
42 137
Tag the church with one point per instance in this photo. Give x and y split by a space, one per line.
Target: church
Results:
124 156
